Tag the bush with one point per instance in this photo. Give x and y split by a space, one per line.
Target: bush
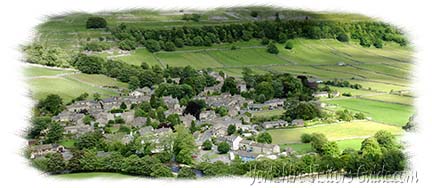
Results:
317 142
347 94
152 45
378 43
127 45
342 37
265 41
207 145
96 46
271 48
289 45
169 46
96 22
306 138
223 147
359 115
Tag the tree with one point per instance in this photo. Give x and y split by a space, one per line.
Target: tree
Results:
89 140
152 45
134 83
317 142
187 173
266 89
385 139
344 115
145 66
49 56
330 149
88 64
96 22
38 124
264 137
359 115
96 96
173 119
160 170
223 147
55 163
289 45
378 43
342 37
282 38
179 43
222 111
123 106
194 107
271 48
306 138
169 46
301 110
184 145
230 86
127 44
51 105
231 129
55 133
207 145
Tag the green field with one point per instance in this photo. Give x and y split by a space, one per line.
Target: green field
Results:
198 60
268 113
34 71
342 144
86 175
65 88
98 80
390 98
44 81
346 130
385 112
138 56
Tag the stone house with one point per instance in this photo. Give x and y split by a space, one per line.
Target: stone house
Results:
41 150
265 148
78 130
274 124
297 122
139 121
320 94
233 141
274 103
207 115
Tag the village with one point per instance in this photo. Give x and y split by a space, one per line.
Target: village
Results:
214 127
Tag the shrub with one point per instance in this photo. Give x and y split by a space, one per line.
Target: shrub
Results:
152 45
223 147
289 45
207 145
127 45
342 37
271 48
306 138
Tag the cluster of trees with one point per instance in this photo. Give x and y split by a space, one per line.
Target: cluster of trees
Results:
346 115
301 110
137 76
368 33
96 22
342 83
133 158
50 56
269 86
97 46
43 128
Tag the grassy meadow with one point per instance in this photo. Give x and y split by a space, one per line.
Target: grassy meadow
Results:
334 132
